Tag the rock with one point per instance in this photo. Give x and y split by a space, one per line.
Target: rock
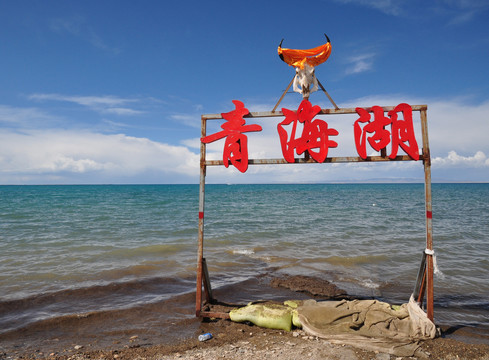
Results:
78 347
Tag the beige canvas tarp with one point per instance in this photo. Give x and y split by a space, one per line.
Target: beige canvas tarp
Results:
368 324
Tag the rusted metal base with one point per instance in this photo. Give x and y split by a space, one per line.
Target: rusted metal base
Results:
207 282
216 315
419 288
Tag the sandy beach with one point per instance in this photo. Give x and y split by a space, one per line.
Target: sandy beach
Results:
135 334
242 341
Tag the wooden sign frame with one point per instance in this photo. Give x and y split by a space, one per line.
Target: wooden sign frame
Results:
424 282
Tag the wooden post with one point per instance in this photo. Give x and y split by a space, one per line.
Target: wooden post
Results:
420 281
200 251
429 216
282 97
329 97
207 282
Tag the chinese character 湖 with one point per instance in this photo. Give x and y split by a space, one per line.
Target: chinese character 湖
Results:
401 134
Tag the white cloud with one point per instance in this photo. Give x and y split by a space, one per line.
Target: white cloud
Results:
104 104
454 160
14 116
192 120
360 63
461 11
457 131
457 11
122 111
389 7
34 154
78 27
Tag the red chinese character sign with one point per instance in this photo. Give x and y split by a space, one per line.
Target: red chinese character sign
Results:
378 132
401 134
315 133
236 145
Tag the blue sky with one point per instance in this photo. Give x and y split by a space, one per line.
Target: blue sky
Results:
112 91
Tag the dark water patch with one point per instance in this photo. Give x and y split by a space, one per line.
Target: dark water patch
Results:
18 313
163 322
466 301
278 287
310 285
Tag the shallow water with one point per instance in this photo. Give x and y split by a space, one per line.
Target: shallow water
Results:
71 250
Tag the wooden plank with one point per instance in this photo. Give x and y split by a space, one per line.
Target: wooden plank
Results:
272 114
282 97
207 282
200 247
418 292
344 159
329 97
429 216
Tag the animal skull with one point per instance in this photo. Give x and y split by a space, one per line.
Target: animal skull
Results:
303 80
304 61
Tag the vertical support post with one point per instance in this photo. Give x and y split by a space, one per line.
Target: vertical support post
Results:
200 251
420 281
429 216
282 97
207 282
329 97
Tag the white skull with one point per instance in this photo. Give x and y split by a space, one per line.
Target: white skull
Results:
303 80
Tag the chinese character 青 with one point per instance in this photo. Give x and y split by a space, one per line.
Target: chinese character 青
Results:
236 144
401 134
315 134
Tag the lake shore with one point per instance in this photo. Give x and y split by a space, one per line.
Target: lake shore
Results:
170 330
243 341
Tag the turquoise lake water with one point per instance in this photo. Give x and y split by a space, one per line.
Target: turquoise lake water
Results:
140 243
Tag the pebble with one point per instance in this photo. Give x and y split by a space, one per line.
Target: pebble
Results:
78 347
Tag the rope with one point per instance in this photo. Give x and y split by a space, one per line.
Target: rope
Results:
437 271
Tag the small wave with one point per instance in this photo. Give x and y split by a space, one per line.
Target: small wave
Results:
99 297
368 283
161 249
356 260
243 252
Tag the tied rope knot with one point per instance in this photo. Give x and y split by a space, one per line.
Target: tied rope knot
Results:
437 271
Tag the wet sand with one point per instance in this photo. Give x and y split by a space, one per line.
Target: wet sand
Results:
169 330
237 341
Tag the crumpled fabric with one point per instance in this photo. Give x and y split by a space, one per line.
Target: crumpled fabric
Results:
298 58
368 324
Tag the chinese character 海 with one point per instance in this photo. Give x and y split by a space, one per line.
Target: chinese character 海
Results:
236 145
401 134
315 134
